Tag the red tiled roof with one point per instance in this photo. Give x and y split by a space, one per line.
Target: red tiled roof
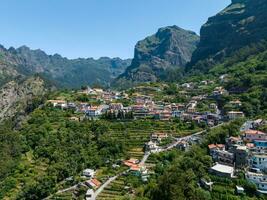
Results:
250 145
254 132
234 138
130 163
211 146
220 145
135 168
96 182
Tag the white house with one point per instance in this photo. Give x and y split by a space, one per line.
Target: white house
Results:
222 170
89 194
94 111
89 173
235 115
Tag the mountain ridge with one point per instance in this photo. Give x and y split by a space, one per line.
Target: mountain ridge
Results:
170 47
87 71
241 23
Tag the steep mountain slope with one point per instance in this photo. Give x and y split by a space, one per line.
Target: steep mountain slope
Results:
234 44
8 66
170 47
65 72
17 96
240 24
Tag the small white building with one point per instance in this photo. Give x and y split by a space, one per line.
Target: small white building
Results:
89 194
232 115
151 146
89 173
58 103
239 189
94 111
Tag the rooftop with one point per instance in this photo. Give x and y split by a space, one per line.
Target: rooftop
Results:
254 132
223 168
241 147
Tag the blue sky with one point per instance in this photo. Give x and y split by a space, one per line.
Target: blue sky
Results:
95 28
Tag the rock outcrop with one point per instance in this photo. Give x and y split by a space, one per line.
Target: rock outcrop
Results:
242 23
170 47
17 95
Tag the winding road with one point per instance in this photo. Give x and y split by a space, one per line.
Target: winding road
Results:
142 162
102 187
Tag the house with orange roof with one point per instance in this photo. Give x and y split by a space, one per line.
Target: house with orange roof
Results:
131 162
93 183
138 170
252 135
214 148
165 115
232 141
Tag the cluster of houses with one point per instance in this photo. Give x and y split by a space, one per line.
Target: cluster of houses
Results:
92 183
137 169
183 144
247 152
143 106
155 140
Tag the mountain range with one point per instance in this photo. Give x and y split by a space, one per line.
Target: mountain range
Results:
66 73
160 57
234 34
26 75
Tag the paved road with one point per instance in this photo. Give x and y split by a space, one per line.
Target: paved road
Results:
99 190
246 126
144 159
102 187
173 145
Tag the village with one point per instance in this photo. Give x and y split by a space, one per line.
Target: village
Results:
142 105
246 152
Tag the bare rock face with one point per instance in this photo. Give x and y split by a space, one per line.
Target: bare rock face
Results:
16 95
242 23
169 47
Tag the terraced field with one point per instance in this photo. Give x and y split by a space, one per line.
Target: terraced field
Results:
64 196
136 134
114 191
137 153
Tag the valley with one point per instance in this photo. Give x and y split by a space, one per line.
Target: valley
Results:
184 119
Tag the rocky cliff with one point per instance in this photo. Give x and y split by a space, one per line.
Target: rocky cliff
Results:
170 47
17 96
242 23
